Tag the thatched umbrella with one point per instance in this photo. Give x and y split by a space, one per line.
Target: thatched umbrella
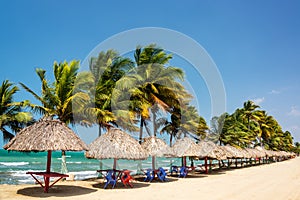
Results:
116 144
209 150
184 147
155 147
47 134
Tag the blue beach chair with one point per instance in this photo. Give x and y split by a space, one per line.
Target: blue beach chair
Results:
149 175
174 169
161 174
183 172
110 179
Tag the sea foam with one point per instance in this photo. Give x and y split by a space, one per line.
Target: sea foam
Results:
14 163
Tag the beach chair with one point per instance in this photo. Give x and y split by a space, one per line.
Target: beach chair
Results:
110 179
126 178
183 172
161 174
149 175
174 169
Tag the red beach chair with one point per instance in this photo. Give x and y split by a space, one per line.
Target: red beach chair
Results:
126 178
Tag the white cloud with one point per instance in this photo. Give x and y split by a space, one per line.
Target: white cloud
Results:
275 92
294 112
258 101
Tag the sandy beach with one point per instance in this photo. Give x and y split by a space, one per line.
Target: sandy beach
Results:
272 181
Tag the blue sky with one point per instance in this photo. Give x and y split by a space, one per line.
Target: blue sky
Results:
255 44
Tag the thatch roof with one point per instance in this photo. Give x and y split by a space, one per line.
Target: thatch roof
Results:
264 151
227 152
46 134
184 147
116 144
255 153
155 147
211 150
235 153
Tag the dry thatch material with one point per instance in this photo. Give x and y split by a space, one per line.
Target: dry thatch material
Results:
255 153
211 150
264 151
116 144
226 152
184 147
156 147
46 134
235 153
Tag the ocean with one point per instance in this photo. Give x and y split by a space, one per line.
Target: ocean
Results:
14 165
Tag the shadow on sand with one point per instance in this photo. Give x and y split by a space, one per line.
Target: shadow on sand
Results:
119 185
55 191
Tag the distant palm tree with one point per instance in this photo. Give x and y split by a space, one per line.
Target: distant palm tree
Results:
249 112
64 96
106 70
216 129
185 122
267 124
153 86
12 117
235 131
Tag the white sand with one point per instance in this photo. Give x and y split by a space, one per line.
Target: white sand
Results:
273 181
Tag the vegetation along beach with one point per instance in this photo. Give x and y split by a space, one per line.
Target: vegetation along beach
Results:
117 102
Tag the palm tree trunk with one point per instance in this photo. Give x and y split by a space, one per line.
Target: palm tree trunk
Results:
171 138
154 123
100 161
260 141
99 130
141 130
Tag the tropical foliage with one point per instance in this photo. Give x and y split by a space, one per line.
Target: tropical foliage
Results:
249 127
106 69
142 92
64 97
13 117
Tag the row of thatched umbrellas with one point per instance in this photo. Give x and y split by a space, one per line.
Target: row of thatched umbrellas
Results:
207 149
52 135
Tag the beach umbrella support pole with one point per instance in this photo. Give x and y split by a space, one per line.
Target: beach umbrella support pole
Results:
206 169
47 179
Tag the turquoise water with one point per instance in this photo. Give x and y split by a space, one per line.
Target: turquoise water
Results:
14 165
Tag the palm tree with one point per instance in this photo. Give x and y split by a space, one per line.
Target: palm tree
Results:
216 129
267 125
235 132
152 85
106 70
185 122
12 117
64 96
249 112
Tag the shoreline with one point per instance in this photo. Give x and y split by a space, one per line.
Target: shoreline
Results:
280 180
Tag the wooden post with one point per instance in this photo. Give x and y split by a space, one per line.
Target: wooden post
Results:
153 163
48 169
115 164
206 170
184 161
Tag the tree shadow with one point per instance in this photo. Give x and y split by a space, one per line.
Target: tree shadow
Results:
156 180
56 191
212 172
119 185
